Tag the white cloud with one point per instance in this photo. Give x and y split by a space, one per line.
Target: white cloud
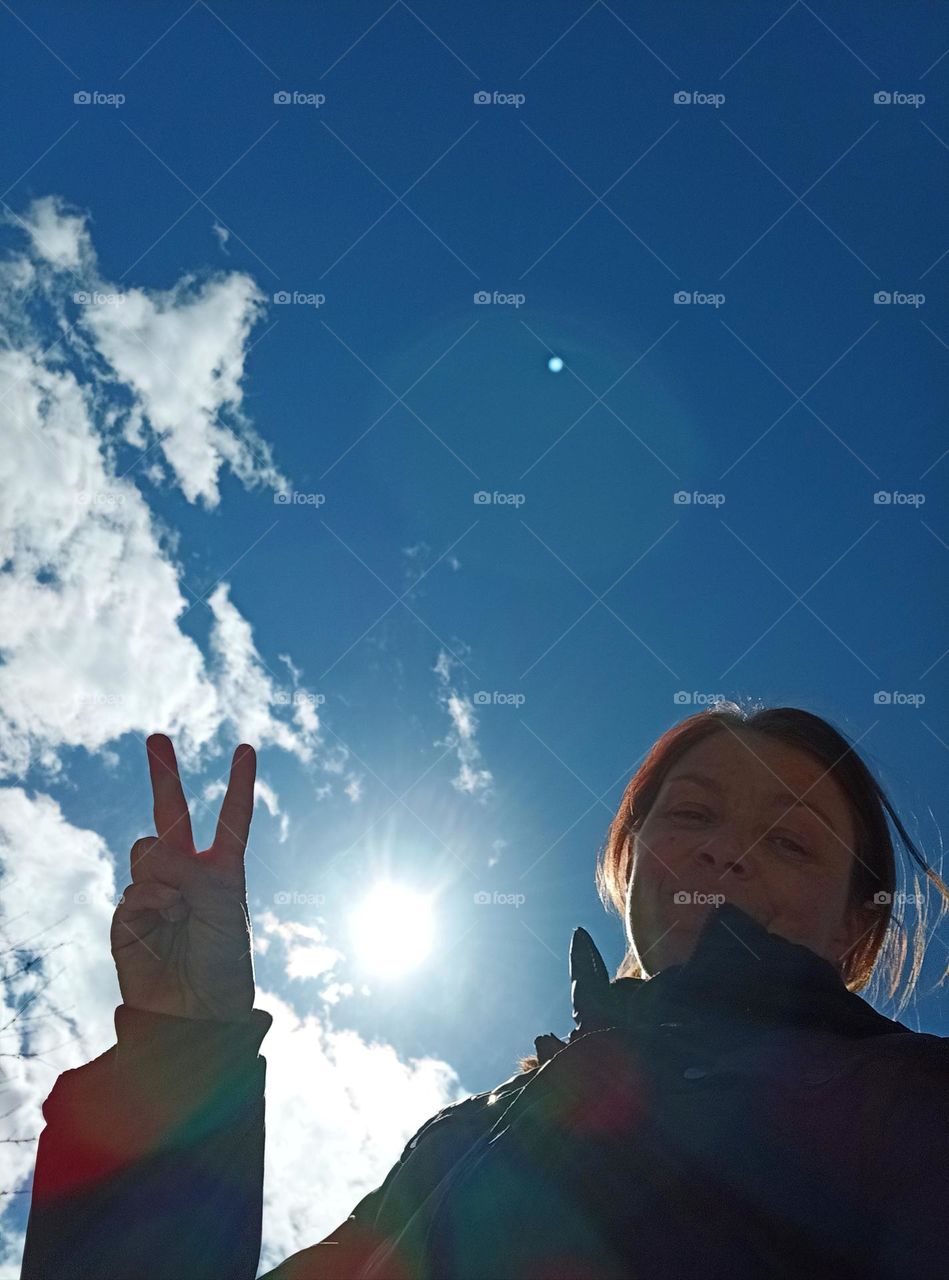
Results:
222 233
339 1113
90 599
180 352
353 788
58 236
307 953
471 778
334 992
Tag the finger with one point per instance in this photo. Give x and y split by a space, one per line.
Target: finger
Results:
141 861
136 916
233 826
147 895
172 820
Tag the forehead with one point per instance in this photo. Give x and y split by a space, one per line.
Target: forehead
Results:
747 764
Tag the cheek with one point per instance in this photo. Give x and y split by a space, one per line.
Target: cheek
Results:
806 898
655 866
657 855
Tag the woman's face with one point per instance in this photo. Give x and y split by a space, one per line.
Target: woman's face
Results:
740 836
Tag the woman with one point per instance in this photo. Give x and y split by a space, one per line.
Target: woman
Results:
726 1106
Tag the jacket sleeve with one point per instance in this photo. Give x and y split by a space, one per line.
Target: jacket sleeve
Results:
150 1165
384 1238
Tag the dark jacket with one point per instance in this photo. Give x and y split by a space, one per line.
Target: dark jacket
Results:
741 1116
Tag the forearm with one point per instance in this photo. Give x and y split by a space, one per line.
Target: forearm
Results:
151 1162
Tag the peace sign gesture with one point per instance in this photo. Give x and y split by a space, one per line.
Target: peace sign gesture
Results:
181 935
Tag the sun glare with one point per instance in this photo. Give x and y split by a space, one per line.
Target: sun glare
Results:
392 929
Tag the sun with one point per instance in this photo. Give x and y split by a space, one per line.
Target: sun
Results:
392 929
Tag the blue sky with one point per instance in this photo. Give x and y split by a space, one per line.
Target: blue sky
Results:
447 691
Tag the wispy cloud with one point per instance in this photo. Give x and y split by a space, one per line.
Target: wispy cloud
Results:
471 778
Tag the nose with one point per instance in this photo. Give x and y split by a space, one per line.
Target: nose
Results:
723 856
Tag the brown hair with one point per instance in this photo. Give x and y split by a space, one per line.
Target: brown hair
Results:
873 881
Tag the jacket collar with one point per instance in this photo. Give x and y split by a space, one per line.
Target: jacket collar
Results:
738 973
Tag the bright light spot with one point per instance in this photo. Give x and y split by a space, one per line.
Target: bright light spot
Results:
555 364
392 929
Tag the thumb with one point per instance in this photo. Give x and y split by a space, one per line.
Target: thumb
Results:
589 981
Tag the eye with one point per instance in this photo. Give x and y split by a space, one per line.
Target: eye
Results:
792 845
796 847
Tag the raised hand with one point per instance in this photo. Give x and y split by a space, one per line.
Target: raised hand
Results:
181 936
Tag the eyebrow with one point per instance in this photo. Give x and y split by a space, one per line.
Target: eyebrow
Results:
779 797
